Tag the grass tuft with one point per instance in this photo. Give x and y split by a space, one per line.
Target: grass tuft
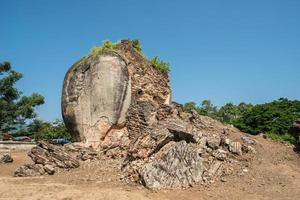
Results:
107 45
160 65
281 137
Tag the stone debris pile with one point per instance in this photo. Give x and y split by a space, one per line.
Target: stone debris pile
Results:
118 103
48 158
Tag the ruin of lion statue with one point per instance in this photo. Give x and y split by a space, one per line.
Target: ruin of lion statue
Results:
117 102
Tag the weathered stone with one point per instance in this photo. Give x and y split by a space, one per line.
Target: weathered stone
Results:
6 159
87 154
176 165
236 148
100 90
96 97
49 169
213 141
48 158
251 149
30 170
45 153
213 171
227 141
248 140
220 154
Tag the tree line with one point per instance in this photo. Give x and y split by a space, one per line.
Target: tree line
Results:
17 111
272 119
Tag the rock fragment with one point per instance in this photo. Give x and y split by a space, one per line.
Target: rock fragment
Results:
236 148
49 169
45 153
30 170
6 159
248 140
176 166
213 142
220 154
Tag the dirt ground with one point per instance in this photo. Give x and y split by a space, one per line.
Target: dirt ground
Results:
274 173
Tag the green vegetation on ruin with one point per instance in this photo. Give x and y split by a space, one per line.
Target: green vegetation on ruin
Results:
160 65
108 45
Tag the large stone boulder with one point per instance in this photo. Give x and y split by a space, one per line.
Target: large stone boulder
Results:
178 165
100 90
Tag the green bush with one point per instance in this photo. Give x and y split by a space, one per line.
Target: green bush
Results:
41 130
136 45
275 117
206 108
285 137
106 45
160 65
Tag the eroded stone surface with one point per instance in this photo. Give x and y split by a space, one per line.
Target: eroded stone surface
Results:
47 158
177 165
96 96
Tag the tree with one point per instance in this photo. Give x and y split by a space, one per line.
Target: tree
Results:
189 106
208 109
272 118
44 130
229 113
14 108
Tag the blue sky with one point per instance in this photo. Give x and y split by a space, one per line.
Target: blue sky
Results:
226 51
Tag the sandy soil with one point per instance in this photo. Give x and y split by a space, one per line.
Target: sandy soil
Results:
274 173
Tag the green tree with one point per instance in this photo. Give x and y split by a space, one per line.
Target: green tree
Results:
44 130
208 109
272 118
189 106
230 113
14 108
160 65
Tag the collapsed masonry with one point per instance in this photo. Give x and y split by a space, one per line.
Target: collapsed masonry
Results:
115 101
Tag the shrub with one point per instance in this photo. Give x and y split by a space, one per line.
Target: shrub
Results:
284 137
106 45
160 65
275 117
136 45
41 130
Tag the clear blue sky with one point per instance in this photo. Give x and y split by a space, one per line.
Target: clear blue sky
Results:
226 51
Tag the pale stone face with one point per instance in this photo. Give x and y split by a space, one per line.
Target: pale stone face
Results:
96 96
